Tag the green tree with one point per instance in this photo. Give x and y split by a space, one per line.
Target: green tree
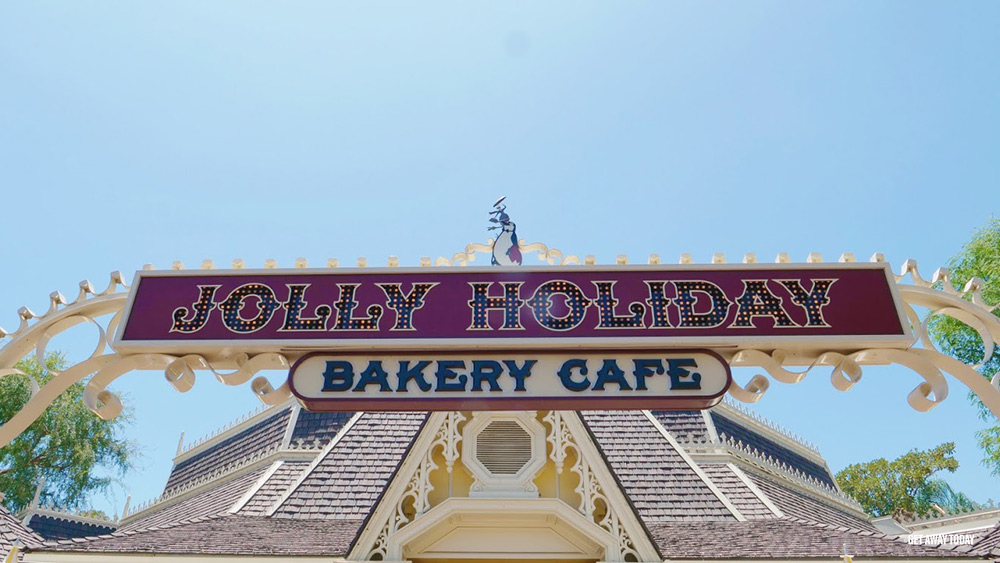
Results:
941 494
980 258
902 488
68 445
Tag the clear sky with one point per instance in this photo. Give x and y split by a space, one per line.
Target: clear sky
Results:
134 132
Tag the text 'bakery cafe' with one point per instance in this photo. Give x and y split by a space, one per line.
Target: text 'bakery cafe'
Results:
568 412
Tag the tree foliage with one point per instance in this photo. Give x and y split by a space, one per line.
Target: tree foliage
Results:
943 496
904 487
980 258
68 445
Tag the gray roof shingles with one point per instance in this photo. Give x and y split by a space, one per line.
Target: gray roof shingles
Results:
259 437
684 426
658 481
271 490
58 528
347 482
799 505
321 426
990 543
783 538
11 529
226 535
748 503
210 502
767 447
323 514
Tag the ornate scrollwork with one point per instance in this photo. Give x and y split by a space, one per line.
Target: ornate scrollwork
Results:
32 338
594 504
938 296
544 253
103 310
416 496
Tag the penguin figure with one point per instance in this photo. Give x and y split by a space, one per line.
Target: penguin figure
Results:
505 248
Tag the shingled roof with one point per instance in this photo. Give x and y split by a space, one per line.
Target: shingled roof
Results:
261 436
226 535
318 426
685 426
53 525
730 482
726 426
783 538
347 481
711 508
662 485
797 504
11 530
245 535
990 543
211 501
283 476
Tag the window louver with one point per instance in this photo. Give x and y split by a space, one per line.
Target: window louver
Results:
503 447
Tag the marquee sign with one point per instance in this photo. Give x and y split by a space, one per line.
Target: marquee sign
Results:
510 380
240 323
849 305
505 337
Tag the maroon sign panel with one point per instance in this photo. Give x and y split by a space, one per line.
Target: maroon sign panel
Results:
627 306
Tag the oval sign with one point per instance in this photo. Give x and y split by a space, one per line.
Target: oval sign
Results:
571 380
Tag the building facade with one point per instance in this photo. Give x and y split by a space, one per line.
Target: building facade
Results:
286 484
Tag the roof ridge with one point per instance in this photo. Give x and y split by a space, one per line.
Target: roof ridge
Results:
313 463
697 468
221 473
979 509
224 428
767 423
65 514
783 468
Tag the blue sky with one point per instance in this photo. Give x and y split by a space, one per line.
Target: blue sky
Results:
151 132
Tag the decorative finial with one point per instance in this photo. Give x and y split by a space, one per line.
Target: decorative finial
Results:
506 251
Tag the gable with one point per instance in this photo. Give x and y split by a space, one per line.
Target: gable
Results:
442 480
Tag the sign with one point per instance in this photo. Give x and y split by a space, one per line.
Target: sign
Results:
510 381
849 305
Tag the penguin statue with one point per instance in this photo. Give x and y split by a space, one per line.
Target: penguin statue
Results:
505 247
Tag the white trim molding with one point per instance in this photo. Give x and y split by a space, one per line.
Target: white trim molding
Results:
316 461
406 503
545 529
694 467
